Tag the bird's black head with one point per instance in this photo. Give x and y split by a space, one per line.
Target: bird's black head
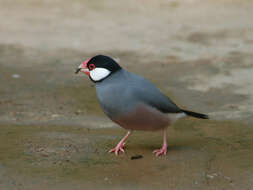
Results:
102 61
99 67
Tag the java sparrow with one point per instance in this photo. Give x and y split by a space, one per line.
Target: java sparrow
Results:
131 100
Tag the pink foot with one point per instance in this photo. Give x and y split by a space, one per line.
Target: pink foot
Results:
119 148
161 152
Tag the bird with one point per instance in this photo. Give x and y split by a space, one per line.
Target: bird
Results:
132 101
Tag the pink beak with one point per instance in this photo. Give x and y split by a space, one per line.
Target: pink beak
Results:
83 68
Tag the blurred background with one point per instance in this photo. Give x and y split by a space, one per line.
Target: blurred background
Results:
198 52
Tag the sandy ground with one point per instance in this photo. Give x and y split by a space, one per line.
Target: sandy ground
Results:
53 133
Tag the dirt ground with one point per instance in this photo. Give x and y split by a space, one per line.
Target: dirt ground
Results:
53 132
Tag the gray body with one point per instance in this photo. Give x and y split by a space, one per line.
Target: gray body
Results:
135 103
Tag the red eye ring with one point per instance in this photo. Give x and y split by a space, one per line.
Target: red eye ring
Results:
91 66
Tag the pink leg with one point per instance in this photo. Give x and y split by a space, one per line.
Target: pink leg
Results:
120 145
163 150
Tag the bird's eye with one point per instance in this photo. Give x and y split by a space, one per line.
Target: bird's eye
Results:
91 67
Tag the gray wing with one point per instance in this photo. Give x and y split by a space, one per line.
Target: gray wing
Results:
149 94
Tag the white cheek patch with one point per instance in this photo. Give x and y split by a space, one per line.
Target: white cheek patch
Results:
99 74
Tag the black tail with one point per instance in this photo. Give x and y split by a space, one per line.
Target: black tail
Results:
194 114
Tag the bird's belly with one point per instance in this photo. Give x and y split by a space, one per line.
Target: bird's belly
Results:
143 118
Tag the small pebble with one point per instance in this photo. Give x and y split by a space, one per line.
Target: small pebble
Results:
136 157
15 76
210 176
44 155
55 115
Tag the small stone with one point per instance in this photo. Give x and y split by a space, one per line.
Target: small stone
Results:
136 157
210 176
54 115
78 112
44 155
40 149
228 178
15 76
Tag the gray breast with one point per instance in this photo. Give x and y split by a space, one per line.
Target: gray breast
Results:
114 95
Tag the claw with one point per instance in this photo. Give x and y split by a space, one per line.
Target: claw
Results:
120 146
117 149
110 151
160 152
